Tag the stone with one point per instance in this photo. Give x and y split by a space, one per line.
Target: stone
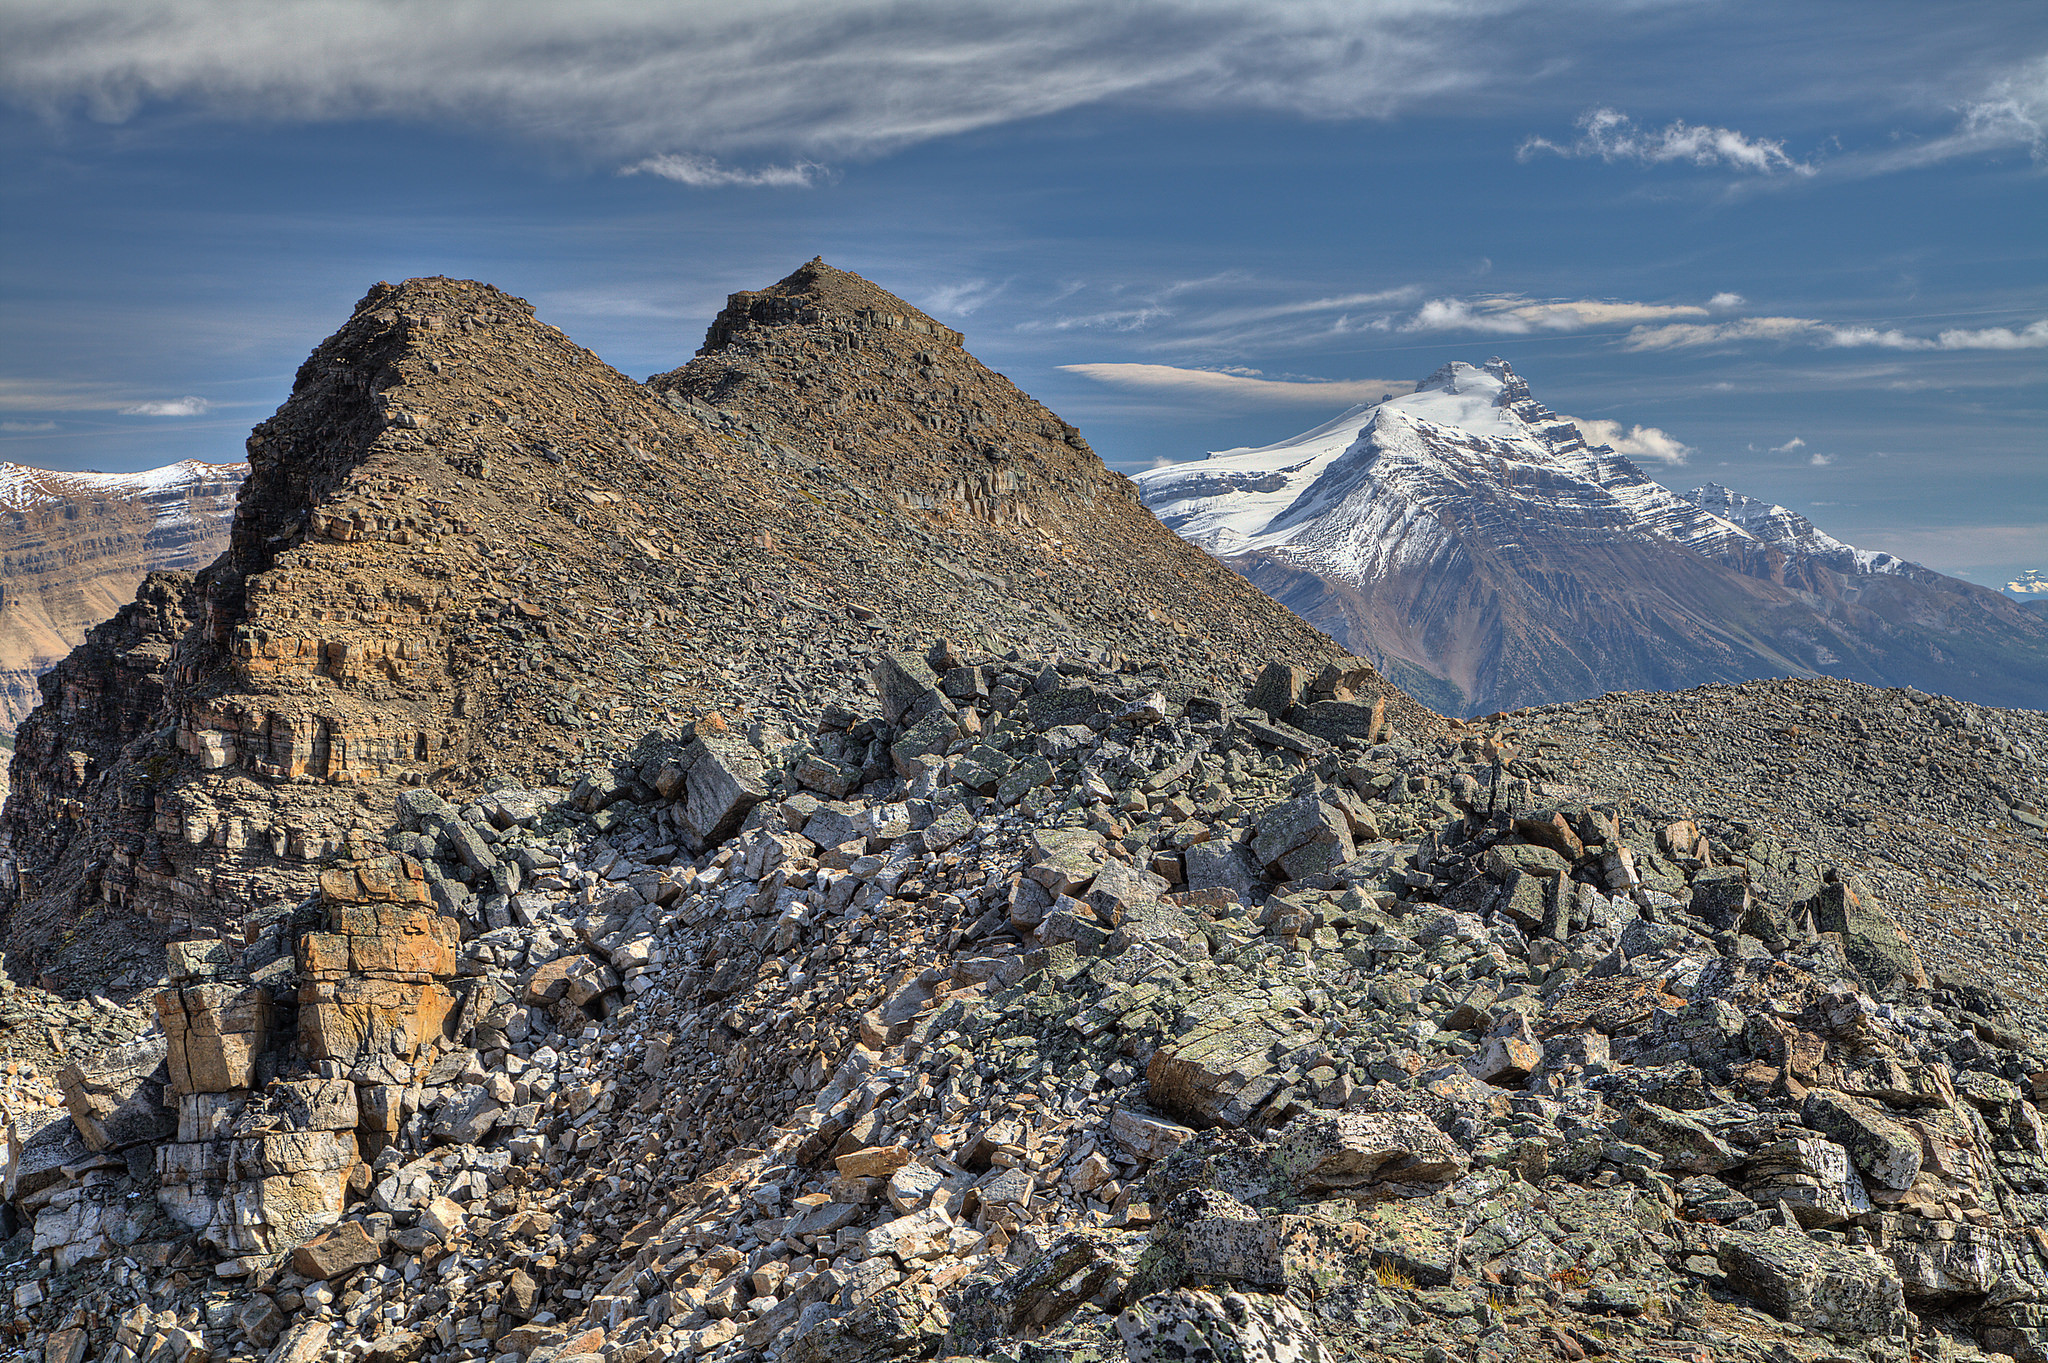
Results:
1875 944
116 1098
444 1217
1327 1151
349 1246
1839 1291
317 1104
261 1193
1278 689
1814 1176
724 778
1189 1323
918 1235
1303 837
1145 1136
878 1161
213 1034
1884 1149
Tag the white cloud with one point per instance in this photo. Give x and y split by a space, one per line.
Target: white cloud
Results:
2032 337
1795 443
28 425
170 407
2010 112
1686 335
1613 136
959 300
1635 442
703 172
1723 302
1238 385
630 79
1512 315
1820 461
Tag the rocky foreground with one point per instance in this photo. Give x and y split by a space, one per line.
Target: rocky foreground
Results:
1039 1009
790 861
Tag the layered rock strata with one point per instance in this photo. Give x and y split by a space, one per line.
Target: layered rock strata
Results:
467 546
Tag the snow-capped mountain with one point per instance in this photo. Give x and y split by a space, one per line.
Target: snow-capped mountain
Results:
1469 534
73 547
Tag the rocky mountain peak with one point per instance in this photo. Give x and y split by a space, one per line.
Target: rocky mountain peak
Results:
817 293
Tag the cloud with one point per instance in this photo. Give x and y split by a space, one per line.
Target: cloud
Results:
1820 461
1613 136
959 300
703 172
28 425
2010 112
187 406
2033 337
1635 442
628 79
1512 315
1687 335
1795 443
1722 302
1240 385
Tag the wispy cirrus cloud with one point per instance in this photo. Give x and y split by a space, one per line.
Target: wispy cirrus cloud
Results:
1242 385
1811 331
704 172
186 406
666 87
1513 315
1612 135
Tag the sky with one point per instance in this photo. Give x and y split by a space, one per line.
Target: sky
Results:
1798 250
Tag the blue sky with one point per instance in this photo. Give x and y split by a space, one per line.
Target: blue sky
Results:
1800 250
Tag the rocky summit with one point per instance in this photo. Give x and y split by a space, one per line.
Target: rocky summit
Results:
789 861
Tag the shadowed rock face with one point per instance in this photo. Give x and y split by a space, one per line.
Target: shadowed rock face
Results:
466 545
1471 540
73 547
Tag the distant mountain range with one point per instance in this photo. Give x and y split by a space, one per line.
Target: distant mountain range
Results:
1487 556
74 546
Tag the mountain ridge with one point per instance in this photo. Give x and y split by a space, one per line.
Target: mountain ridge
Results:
1485 552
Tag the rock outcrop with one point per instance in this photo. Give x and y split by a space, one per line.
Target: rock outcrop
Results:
466 546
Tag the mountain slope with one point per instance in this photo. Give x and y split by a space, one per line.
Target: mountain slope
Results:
74 546
468 549
1472 540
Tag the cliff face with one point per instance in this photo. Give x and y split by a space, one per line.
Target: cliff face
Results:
73 547
466 547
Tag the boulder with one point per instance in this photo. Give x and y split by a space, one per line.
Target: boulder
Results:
1330 1151
1188 1323
1885 1150
116 1098
1303 837
1840 1291
213 1034
723 779
1871 938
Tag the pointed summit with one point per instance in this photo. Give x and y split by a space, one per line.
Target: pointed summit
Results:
817 293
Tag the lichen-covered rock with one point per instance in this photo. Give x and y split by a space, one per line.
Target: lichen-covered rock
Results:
1191 1326
1839 1291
